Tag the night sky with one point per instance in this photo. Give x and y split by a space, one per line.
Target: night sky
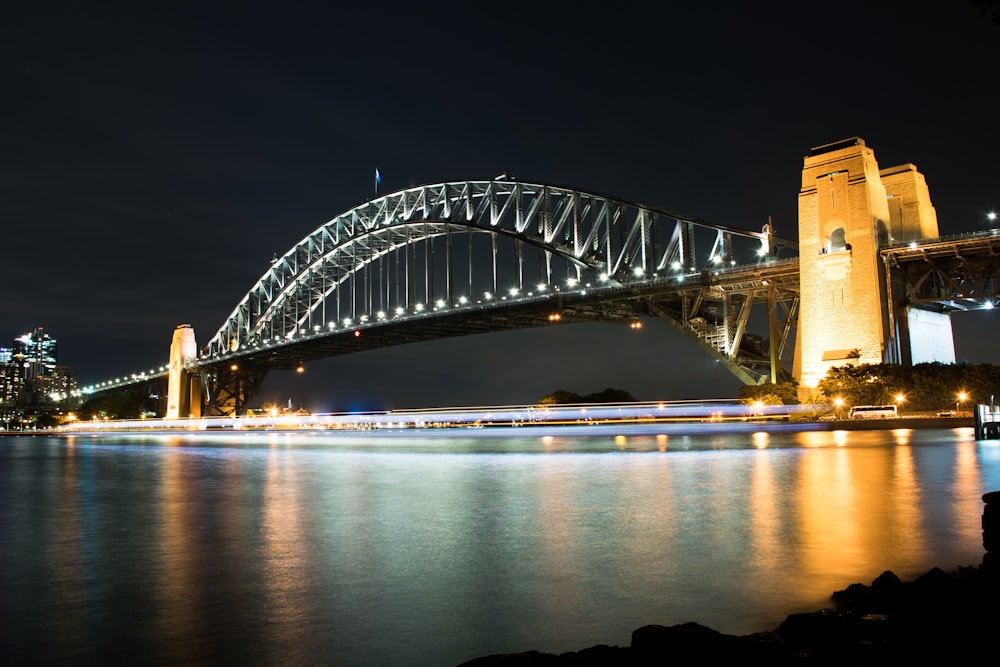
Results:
154 159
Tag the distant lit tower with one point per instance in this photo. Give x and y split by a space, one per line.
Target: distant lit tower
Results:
11 377
61 387
35 352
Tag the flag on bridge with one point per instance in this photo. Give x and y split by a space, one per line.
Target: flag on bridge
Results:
378 179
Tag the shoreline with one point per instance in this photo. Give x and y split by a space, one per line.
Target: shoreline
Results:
942 615
688 426
938 615
898 422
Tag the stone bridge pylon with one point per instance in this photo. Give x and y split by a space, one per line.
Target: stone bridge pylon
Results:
184 398
849 210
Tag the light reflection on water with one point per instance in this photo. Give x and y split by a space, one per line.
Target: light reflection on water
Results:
285 549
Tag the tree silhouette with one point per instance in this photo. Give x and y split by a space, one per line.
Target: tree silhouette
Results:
609 395
925 387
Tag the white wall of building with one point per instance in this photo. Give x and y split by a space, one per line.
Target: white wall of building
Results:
931 337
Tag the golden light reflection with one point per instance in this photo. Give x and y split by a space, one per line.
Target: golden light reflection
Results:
968 503
906 511
285 579
765 515
847 523
840 438
833 513
661 442
813 438
176 583
902 436
761 439
621 441
828 498
852 517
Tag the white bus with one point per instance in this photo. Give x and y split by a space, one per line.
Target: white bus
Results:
874 412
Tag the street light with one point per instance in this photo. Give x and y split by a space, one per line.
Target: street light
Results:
962 397
899 402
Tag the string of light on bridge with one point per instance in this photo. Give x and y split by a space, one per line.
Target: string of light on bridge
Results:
541 292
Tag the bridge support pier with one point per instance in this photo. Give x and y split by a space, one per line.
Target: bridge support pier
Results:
184 394
228 389
849 211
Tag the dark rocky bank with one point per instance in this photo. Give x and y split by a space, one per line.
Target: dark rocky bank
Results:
937 616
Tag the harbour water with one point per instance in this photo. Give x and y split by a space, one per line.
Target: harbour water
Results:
381 549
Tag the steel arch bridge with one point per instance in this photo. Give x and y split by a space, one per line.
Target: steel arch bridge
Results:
469 257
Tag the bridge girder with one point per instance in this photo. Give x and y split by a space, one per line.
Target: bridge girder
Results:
945 275
700 308
369 260
228 388
716 313
472 257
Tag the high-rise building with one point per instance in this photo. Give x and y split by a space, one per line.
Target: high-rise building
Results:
61 385
11 377
36 354
34 389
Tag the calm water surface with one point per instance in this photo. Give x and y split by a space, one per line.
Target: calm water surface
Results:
278 549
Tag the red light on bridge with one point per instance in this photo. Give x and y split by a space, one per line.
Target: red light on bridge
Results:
357 333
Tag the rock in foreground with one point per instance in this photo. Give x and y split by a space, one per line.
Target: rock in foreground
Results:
939 615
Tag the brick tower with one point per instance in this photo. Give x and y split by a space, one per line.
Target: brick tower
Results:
848 210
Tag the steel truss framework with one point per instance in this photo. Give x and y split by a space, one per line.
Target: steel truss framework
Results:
471 257
945 275
716 314
476 256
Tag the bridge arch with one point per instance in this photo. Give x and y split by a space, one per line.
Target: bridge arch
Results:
467 257
387 264
458 244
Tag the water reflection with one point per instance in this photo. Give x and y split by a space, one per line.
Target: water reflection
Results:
907 510
356 551
285 560
69 555
767 546
968 506
178 614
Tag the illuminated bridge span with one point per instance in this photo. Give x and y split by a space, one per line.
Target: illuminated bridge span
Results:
478 256
943 276
472 250
870 281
